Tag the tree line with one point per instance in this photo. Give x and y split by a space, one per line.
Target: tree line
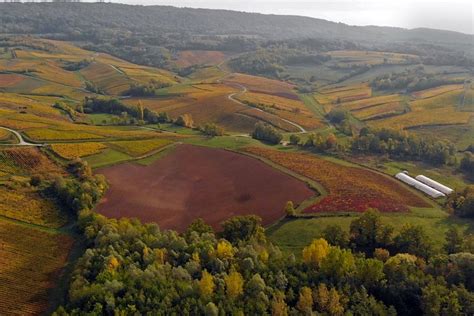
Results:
138 114
145 90
134 268
412 80
403 145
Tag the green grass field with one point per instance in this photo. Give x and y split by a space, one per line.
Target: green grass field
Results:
101 118
175 129
106 158
292 235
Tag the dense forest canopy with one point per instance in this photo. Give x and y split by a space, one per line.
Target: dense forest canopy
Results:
151 34
53 18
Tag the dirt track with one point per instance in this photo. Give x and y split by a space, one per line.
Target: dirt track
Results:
193 182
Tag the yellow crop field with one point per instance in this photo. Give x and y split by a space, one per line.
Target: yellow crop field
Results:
42 134
274 101
4 134
107 77
447 99
61 90
63 130
17 65
370 57
290 109
30 104
119 133
145 74
205 103
429 93
76 150
27 161
19 125
4 112
28 206
207 74
438 110
140 147
52 72
188 58
328 97
369 102
30 263
269 118
44 69
419 117
24 121
261 84
378 111
347 91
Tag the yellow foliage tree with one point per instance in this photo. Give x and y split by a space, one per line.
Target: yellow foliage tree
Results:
206 284
140 109
263 255
335 307
290 209
234 283
305 301
160 255
224 250
321 297
316 252
279 307
113 263
196 257
328 301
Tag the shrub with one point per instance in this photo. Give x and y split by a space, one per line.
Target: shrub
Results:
211 129
184 120
267 133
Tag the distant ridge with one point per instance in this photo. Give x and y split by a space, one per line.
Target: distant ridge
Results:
38 18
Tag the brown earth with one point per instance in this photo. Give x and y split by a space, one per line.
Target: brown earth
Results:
197 182
9 80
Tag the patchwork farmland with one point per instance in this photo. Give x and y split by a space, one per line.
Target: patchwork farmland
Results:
33 252
106 139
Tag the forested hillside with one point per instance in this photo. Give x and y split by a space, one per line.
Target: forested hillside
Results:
148 35
68 17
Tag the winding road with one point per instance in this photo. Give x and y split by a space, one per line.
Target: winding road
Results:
244 89
21 140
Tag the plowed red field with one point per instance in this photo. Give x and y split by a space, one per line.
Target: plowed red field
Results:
197 182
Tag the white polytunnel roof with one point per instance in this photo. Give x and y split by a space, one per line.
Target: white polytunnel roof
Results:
419 185
434 184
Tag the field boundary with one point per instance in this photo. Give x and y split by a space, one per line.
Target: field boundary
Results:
133 159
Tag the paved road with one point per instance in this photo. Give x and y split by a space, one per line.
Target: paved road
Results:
21 141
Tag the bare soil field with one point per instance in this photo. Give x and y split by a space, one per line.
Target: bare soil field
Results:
197 182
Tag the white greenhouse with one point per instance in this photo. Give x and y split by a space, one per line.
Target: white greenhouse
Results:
419 185
434 184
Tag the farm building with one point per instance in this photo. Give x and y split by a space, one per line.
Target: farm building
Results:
434 184
419 185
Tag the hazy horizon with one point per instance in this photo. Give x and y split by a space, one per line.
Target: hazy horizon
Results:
456 15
